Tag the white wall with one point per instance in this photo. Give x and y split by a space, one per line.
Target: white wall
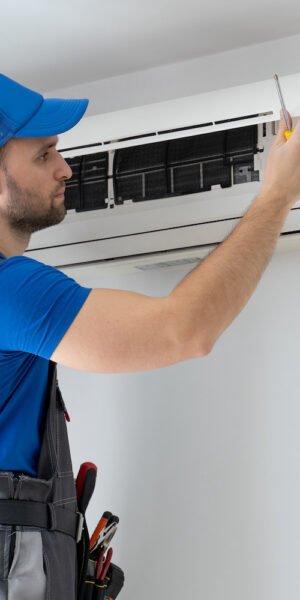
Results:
217 71
200 460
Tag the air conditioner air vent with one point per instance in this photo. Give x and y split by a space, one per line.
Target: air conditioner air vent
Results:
165 169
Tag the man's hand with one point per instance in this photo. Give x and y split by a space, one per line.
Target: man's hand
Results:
282 170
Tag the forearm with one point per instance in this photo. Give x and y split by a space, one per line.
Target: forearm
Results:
209 298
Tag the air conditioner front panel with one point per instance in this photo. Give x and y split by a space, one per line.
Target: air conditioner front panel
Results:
138 229
134 218
205 110
138 217
198 234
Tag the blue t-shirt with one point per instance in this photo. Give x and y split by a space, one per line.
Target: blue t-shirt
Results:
38 303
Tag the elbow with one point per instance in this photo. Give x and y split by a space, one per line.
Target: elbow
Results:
203 343
197 348
187 340
204 348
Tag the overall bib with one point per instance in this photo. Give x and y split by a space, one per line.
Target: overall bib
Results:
38 554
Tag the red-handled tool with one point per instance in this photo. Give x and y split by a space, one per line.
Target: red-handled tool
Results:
99 563
106 564
85 484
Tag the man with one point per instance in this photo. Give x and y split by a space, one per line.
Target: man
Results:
46 316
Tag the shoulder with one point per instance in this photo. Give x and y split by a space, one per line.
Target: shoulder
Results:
25 264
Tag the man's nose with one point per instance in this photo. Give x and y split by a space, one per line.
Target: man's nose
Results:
63 170
68 170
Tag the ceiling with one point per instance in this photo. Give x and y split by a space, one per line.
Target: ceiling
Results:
51 44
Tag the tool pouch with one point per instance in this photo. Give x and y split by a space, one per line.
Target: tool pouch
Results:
88 587
102 590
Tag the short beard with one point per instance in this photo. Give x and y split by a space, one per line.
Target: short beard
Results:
25 212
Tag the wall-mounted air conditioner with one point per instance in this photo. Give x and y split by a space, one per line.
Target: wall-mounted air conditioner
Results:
165 182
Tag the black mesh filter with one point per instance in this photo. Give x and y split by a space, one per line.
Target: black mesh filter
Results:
140 158
215 172
140 173
129 187
88 187
196 148
144 186
185 179
196 163
72 194
200 177
94 188
241 140
164 169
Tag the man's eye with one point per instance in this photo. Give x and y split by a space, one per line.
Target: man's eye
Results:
43 155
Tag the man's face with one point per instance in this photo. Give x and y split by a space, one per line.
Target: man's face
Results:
33 176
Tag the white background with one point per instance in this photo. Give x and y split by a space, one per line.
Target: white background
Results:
201 460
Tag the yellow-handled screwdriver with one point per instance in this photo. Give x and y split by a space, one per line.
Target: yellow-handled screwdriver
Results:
288 132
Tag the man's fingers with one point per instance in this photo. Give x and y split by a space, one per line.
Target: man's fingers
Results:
290 119
283 127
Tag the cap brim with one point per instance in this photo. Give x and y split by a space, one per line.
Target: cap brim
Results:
54 116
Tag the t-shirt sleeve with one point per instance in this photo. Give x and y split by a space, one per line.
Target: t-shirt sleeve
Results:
38 303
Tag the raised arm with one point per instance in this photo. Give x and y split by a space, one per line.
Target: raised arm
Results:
118 331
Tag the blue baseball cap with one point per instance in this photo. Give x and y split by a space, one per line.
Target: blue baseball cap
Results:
25 113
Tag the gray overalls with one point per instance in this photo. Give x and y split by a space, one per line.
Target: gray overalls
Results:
38 563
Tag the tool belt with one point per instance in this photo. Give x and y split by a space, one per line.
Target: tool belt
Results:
53 518
41 514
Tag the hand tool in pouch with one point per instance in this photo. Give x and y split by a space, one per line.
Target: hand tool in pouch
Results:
85 485
113 577
102 523
105 534
101 572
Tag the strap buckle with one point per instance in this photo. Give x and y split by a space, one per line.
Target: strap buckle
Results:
79 526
